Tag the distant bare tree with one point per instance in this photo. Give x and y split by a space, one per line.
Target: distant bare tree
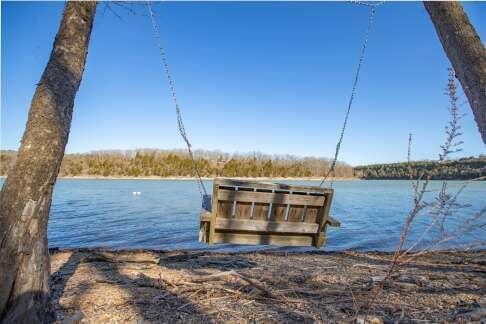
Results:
466 53
26 195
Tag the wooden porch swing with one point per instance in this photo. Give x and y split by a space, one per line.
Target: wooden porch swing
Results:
248 212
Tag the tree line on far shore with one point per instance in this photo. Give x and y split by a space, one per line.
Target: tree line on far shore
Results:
174 163
464 168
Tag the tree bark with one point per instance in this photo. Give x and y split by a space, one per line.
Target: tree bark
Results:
466 53
26 195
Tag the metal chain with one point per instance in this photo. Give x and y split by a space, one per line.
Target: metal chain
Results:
353 91
180 122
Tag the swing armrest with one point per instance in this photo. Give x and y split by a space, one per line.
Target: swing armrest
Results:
205 216
333 222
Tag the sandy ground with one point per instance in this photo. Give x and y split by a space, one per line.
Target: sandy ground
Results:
100 286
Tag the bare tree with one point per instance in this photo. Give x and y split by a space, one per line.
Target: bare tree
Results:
26 195
466 53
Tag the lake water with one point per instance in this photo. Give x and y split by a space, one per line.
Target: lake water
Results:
105 213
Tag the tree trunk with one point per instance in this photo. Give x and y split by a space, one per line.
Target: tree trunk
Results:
26 195
466 53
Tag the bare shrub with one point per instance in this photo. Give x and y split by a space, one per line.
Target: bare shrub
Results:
439 210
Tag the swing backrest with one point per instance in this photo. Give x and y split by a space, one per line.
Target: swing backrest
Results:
246 212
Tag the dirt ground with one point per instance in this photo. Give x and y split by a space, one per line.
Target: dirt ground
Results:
101 286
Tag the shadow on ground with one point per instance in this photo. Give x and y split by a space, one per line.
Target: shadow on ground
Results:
202 287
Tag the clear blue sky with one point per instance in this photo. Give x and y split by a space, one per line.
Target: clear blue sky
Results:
270 77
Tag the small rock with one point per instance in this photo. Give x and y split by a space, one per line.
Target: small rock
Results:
76 318
406 285
414 279
378 278
370 319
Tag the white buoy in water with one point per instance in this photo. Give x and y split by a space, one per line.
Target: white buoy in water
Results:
136 193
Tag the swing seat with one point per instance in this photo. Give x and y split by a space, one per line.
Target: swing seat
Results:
246 212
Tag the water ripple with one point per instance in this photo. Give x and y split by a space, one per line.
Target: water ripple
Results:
105 213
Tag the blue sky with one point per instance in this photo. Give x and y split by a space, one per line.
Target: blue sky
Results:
250 76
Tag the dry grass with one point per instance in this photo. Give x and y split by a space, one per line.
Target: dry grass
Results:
132 286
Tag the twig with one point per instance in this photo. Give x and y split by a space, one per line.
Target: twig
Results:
107 6
251 281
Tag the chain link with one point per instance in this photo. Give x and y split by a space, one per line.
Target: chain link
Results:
353 90
180 123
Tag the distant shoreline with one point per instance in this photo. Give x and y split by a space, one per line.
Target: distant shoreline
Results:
153 162
174 178
89 177
93 177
